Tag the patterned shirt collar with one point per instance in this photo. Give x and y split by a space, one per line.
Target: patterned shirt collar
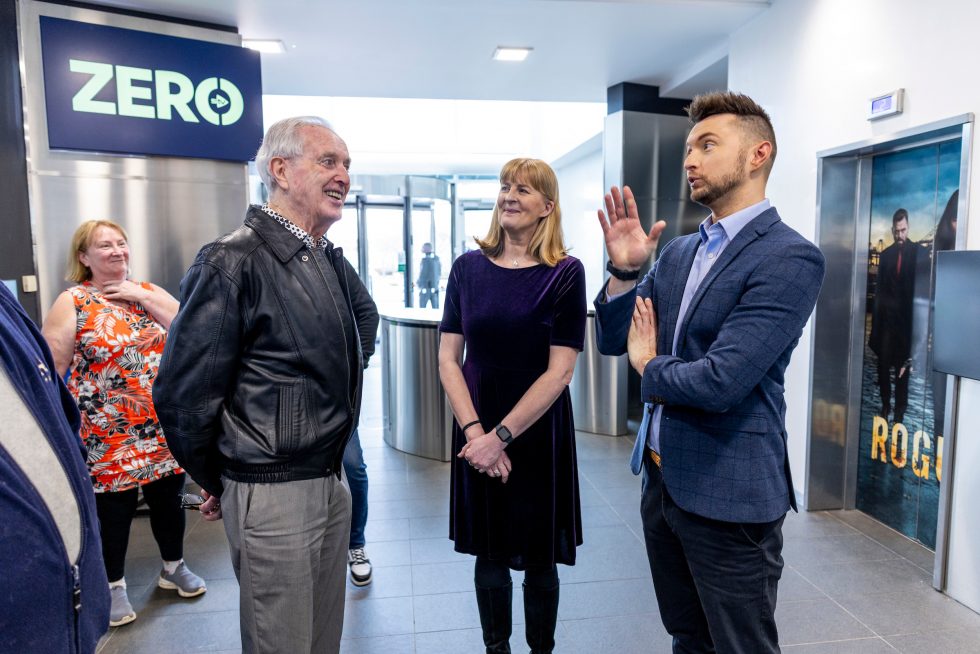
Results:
298 232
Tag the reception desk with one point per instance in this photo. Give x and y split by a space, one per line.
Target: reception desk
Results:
417 418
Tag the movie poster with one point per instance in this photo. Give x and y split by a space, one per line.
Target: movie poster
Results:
913 215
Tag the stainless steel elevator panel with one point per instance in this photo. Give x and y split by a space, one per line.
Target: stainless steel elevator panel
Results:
826 463
417 417
170 206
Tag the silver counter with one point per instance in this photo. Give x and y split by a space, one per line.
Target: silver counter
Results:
416 414
598 388
417 417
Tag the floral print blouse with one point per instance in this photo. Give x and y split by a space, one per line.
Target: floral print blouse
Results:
117 355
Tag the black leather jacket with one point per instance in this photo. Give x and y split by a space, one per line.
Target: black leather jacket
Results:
260 379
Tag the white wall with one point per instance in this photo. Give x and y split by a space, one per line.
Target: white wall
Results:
580 187
813 64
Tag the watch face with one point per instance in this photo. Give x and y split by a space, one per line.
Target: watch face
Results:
504 434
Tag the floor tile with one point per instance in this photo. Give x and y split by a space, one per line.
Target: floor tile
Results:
814 621
606 598
446 611
635 633
436 550
961 641
378 617
856 646
386 581
437 578
184 632
901 613
389 552
835 549
382 530
404 644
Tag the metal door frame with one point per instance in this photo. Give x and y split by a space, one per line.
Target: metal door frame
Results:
825 458
399 191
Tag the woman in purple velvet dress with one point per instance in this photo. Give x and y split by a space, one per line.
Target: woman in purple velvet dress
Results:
518 306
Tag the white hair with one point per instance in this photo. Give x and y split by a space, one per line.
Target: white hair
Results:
284 140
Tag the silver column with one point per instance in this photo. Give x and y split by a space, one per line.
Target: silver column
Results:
598 388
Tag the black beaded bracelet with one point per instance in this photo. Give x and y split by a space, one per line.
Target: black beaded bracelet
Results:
619 273
468 425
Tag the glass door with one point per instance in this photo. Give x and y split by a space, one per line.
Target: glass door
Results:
384 238
343 234
431 251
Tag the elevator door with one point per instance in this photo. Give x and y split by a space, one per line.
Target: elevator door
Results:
913 215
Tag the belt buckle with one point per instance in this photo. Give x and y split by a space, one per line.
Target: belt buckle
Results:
655 457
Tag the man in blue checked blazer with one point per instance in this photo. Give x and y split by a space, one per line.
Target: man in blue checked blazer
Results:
711 329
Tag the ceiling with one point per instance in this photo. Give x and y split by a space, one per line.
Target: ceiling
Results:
441 49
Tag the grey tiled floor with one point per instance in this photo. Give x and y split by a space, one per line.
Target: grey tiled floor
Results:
850 586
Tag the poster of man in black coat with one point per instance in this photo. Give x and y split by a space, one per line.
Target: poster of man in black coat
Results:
891 322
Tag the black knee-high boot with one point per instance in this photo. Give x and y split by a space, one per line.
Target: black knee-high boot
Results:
541 618
495 617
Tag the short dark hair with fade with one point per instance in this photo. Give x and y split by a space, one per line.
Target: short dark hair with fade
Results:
750 114
899 216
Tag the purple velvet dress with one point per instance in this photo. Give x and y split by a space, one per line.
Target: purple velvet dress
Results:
509 318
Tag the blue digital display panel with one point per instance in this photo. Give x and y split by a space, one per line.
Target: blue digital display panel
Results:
881 104
109 89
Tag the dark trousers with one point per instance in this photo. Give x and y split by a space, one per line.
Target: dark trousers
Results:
715 581
901 389
116 511
430 296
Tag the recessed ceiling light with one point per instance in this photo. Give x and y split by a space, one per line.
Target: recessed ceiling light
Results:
511 54
268 46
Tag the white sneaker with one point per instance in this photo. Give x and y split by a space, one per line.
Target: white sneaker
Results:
185 582
121 611
360 566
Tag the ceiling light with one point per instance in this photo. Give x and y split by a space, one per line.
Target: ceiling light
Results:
511 54
268 46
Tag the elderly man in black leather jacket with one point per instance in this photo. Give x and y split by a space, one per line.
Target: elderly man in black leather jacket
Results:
259 390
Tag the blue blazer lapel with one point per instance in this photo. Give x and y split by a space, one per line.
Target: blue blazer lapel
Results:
756 228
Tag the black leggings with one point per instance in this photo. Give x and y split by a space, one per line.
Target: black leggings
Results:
116 511
496 574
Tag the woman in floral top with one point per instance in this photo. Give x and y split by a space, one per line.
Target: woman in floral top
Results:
108 333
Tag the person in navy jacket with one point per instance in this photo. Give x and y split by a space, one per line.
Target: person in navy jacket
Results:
711 329
55 595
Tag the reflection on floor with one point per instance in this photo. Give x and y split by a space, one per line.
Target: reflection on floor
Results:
849 586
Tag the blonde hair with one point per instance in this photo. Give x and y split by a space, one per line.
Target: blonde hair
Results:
547 243
80 242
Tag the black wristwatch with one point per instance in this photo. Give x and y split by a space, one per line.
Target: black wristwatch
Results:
619 273
504 434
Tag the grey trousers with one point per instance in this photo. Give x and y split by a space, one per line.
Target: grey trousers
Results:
289 549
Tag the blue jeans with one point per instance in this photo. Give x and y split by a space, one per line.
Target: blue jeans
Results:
357 480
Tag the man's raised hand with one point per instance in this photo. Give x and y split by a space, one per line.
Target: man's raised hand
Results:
628 246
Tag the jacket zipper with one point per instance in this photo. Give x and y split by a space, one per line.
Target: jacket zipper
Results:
76 602
326 286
